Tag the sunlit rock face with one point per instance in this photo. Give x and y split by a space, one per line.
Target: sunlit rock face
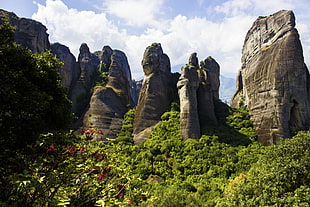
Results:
198 88
110 102
157 91
274 81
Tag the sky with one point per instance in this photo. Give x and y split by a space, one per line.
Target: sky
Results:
214 28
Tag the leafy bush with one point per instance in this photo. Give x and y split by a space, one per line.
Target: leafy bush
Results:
280 178
32 98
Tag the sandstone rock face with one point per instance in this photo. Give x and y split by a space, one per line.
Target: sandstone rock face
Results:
157 91
70 71
273 80
213 77
188 85
198 89
109 103
29 33
80 92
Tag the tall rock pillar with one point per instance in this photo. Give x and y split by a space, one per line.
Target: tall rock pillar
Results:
274 80
156 93
188 85
198 90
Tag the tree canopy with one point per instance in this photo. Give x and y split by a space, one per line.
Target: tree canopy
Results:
32 98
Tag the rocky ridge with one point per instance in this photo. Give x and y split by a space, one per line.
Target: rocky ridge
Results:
274 80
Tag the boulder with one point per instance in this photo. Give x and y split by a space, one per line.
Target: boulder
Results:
188 85
274 80
213 77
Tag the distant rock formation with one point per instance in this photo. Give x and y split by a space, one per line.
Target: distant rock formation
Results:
274 80
135 90
109 103
70 71
157 91
198 89
29 33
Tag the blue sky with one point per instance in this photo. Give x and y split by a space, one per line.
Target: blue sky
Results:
209 27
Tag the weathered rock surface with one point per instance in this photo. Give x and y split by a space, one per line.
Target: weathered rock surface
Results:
274 80
135 90
198 89
188 85
109 103
80 93
70 71
213 77
29 33
157 91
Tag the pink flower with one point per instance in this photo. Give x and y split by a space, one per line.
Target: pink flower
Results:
101 176
83 149
100 132
51 149
121 191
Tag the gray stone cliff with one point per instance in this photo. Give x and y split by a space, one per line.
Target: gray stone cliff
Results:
198 89
156 94
80 91
70 71
109 103
29 33
274 81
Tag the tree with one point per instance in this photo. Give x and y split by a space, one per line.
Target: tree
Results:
280 178
32 98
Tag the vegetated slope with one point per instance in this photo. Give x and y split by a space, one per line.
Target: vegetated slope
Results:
164 170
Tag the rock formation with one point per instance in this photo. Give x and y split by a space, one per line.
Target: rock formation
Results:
274 80
213 70
156 94
135 90
29 33
109 103
70 71
188 85
198 89
80 92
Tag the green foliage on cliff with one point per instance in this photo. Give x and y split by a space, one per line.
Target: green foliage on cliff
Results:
233 127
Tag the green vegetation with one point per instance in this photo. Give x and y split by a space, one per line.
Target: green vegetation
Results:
32 99
225 167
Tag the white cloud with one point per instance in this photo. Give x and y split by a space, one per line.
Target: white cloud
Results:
135 12
241 7
72 27
179 36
